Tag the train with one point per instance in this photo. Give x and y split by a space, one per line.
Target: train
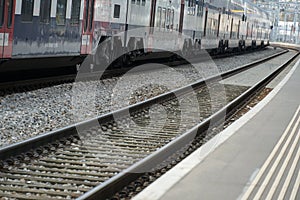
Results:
46 34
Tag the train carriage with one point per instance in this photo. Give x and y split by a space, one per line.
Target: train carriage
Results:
51 33
38 31
6 28
45 27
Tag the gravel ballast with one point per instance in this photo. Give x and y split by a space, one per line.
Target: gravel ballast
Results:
24 115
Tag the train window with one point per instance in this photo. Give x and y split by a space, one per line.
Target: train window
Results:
238 29
138 2
163 18
143 2
86 14
117 11
168 19
133 1
10 13
2 12
75 12
91 15
247 30
158 17
209 24
61 12
200 8
235 30
172 19
27 10
45 11
215 27
191 7
231 27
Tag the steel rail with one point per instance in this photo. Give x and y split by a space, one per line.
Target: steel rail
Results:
18 152
69 131
45 81
110 187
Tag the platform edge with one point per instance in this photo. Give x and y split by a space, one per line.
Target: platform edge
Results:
157 189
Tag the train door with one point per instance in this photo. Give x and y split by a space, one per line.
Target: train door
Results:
181 16
153 13
7 8
219 24
87 27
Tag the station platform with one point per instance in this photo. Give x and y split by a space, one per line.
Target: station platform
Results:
285 45
257 157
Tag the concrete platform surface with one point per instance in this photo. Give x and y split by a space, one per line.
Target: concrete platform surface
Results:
253 75
257 157
286 45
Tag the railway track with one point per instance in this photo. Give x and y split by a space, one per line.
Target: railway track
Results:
62 165
41 79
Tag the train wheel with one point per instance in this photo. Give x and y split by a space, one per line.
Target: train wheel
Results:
221 47
240 47
262 44
127 61
253 46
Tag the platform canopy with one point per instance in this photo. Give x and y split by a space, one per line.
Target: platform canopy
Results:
286 15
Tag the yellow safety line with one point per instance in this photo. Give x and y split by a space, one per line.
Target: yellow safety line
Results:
290 175
276 163
283 167
296 187
269 159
